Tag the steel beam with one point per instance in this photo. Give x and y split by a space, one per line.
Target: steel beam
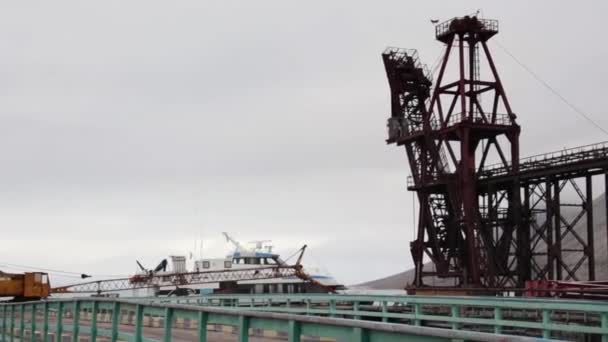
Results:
590 249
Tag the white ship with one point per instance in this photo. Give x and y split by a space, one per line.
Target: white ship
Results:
259 256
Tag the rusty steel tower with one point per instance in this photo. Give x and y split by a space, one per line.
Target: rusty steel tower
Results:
461 138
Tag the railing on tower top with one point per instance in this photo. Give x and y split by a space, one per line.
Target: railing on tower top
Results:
445 28
408 54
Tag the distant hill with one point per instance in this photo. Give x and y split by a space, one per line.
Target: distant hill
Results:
400 280
395 281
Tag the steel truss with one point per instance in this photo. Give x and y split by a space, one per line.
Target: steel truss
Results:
181 279
481 224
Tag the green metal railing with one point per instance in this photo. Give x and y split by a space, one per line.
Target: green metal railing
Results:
547 318
94 318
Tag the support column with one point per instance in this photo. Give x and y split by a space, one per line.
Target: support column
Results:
549 229
470 209
524 263
558 230
590 249
417 246
461 82
472 79
606 199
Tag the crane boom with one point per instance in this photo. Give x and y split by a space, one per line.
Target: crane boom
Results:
152 280
180 279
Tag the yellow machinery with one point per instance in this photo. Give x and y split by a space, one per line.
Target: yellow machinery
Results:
25 286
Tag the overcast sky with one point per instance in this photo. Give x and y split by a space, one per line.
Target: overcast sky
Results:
130 128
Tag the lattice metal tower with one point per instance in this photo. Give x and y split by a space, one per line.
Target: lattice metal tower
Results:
471 236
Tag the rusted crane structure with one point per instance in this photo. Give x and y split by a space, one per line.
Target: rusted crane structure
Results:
487 219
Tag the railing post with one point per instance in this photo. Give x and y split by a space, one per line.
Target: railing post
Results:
497 320
33 323
12 325
76 321
94 309
417 314
45 322
604 325
295 331
243 329
4 310
384 311
59 330
546 321
168 325
356 309
115 321
307 306
202 326
360 335
21 321
455 315
139 319
332 308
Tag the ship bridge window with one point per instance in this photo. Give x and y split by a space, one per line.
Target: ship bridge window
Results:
252 261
